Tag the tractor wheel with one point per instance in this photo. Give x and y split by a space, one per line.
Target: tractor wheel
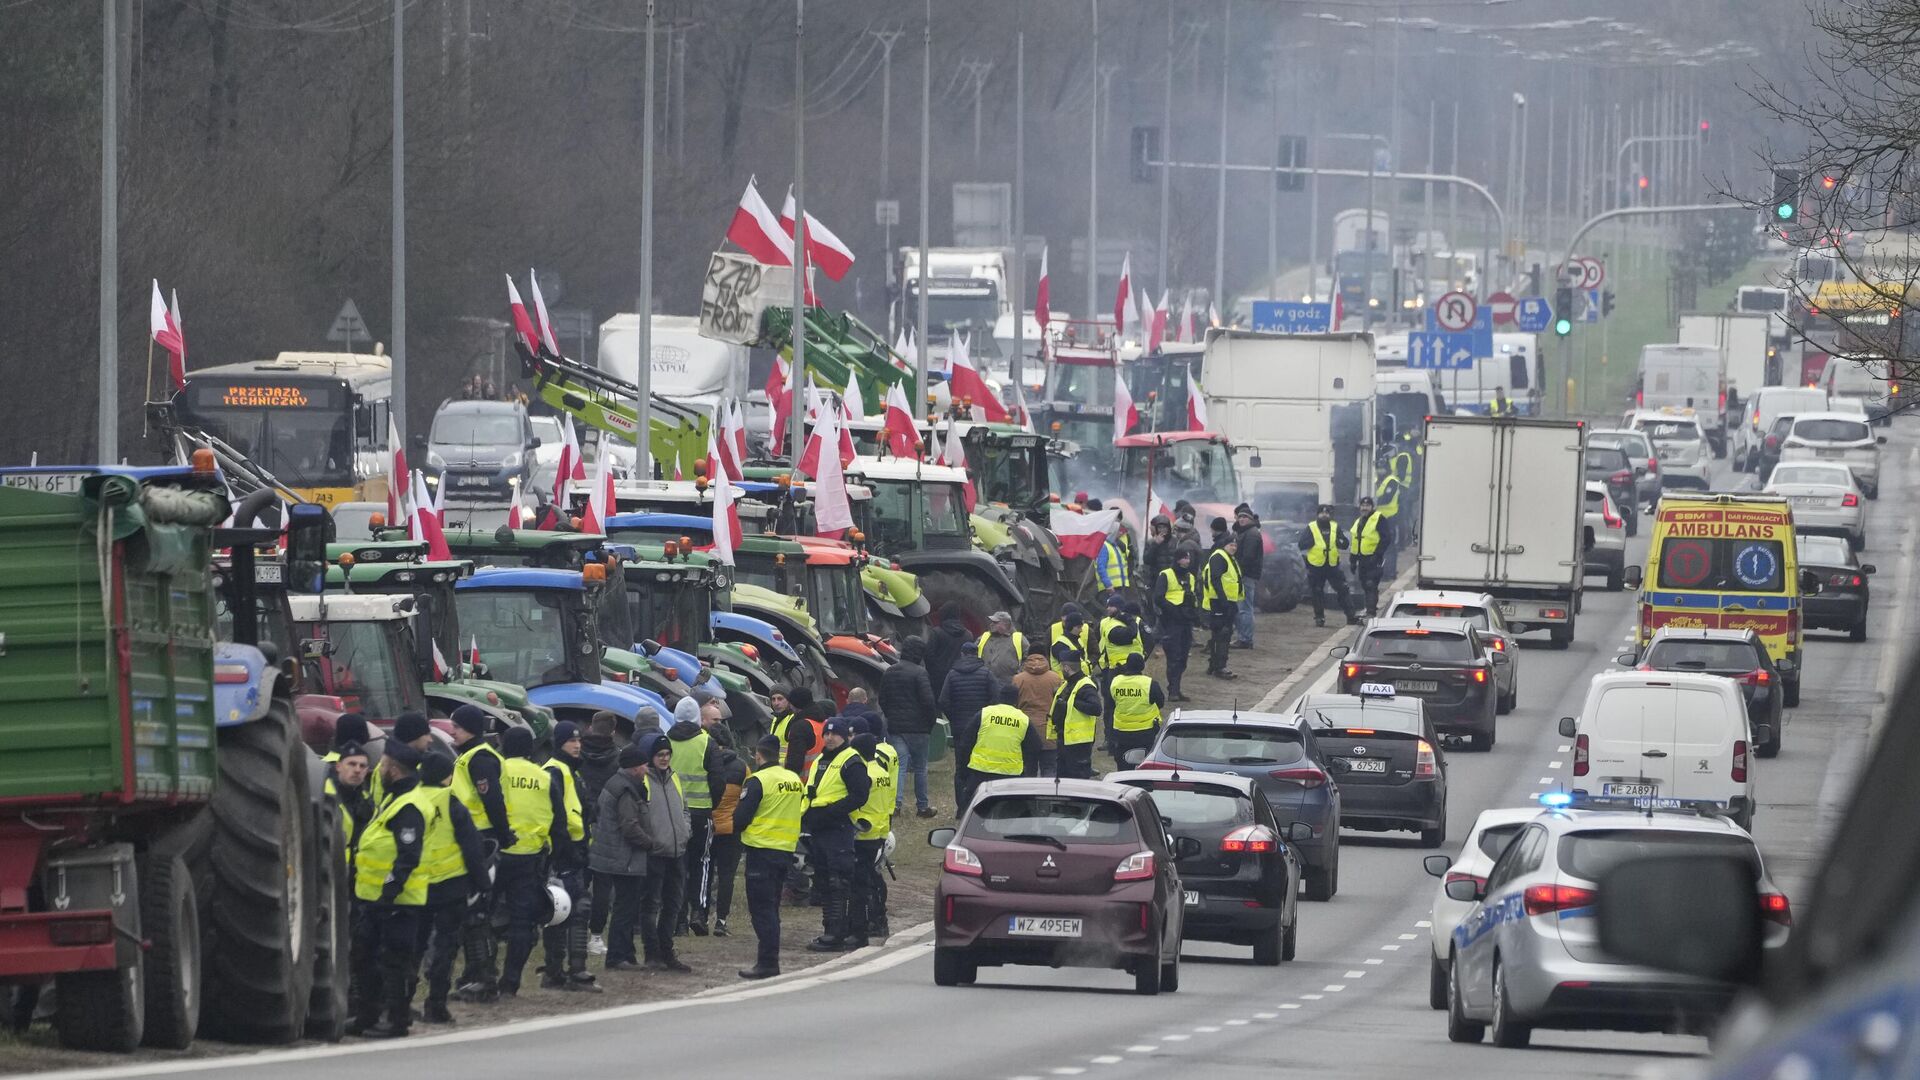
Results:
967 593
333 889
170 921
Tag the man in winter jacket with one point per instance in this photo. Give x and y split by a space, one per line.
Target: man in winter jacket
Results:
948 641
1250 548
665 823
1036 684
969 688
729 777
696 762
860 706
619 853
907 700
837 785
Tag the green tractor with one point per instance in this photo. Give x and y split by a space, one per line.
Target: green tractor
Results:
918 520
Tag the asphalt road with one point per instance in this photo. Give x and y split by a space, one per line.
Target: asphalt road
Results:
1354 1002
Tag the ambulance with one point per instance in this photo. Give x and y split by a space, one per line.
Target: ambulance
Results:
1726 562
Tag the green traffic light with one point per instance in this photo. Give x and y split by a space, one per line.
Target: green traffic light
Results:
1784 211
1563 326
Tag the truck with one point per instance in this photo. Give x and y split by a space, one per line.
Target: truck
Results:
1743 337
170 860
692 370
1300 407
966 292
1504 512
1686 376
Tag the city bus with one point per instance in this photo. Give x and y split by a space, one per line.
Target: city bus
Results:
317 421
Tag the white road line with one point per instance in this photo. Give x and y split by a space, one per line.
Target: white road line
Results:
1265 1016
1143 1049
1308 997
1069 1070
1333 988
1423 924
1389 948
1546 779
1411 937
1289 1005
1553 764
1564 750
1175 1038
1107 1059
1236 1022
1205 1029
1373 960
1354 975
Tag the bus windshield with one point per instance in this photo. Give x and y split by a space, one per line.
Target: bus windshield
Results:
303 433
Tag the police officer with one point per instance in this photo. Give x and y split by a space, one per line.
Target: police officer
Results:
1138 703
1177 597
539 815
1220 594
1005 743
476 783
1074 720
389 891
1072 628
696 761
1502 404
1372 537
1111 566
772 802
1120 640
347 783
457 869
872 822
838 785
1322 541
566 944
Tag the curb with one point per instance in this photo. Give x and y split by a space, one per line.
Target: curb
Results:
1312 668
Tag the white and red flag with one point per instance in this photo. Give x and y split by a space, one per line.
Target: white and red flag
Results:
544 323
1185 331
1042 312
826 425
1123 312
425 523
1125 414
965 382
164 325
832 509
824 249
600 502
727 534
1157 507
780 396
902 438
757 232
522 325
473 650
397 474
729 449
1157 324
955 456
852 402
1197 407
1082 534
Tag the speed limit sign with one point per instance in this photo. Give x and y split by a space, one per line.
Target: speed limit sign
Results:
1592 272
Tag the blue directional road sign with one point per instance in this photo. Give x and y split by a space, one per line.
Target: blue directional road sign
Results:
1592 312
1532 314
1453 352
1481 331
1292 317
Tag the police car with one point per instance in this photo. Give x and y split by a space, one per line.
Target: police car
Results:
1528 955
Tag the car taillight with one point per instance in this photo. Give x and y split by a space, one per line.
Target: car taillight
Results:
1849 499
1250 840
1156 765
1639 398
1459 875
1499 644
1480 675
1757 677
1613 520
1423 762
1773 442
1135 867
961 861
1350 670
1740 761
1723 401
1653 466
1774 908
1306 776
1553 613
1621 477
1547 899
1856 579
1579 755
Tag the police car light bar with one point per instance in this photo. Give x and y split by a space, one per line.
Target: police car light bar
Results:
1580 800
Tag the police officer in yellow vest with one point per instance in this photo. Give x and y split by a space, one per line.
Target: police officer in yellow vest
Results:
872 822
1502 405
768 818
389 890
1322 542
347 770
1121 636
1005 743
1372 538
1074 721
1220 595
1176 597
538 811
456 869
838 786
566 944
1073 628
696 761
1137 705
477 772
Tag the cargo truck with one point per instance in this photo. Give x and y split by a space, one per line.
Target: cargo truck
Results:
1298 408
1504 513
1751 359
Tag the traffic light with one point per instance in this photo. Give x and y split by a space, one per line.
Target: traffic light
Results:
1828 181
1786 193
1644 183
1292 153
1563 311
1706 132
1146 149
1606 303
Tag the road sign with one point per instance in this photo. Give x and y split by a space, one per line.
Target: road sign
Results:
1532 314
348 326
1501 304
1592 272
1454 312
1592 306
1292 317
886 211
1445 351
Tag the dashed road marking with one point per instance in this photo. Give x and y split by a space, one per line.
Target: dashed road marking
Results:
1564 750
1175 1038
1554 764
1265 1015
1107 1059
1206 1029
1333 988
1390 948
1069 1070
1546 779
1410 937
1142 1049
1236 1022
1423 924
1354 975
1373 960
1310 997
1289 1005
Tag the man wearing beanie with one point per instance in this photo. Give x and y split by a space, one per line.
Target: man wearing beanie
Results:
390 892
867 910
538 812
838 784
618 854
725 865
451 881
599 760
696 764
349 729
767 817
477 785
566 944
664 821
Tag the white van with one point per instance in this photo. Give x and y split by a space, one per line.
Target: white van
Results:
1864 380
1687 377
1664 734
1761 409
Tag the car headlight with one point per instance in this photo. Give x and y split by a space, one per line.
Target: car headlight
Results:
434 460
511 461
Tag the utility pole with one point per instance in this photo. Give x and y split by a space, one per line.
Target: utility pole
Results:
977 71
1273 189
643 363
798 374
886 38
1166 149
398 347
921 386
1093 178
1019 282
1220 192
108 436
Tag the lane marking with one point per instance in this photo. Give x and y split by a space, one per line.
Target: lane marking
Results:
1373 960
1205 1029
1236 1023
1389 948
1354 975
1546 779
1107 1059
1333 988
1409 937
1141 1049
1553 764
1265 1016
1175 1038
1423 924
1308 997
1069 1070
1289 1005
1564 750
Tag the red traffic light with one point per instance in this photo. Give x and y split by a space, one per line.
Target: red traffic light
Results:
1828 182
1643 183
1705 126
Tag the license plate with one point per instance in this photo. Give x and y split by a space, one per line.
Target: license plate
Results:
1193 899
1809 500
1831 453
1629 789
474 481
1037 926
1415 686
1368 765
61 483
1505 608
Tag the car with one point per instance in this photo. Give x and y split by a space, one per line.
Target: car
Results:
1825 499
1640 455
480 450
1836 438
1759 412
1277 751
1865 381
1686 460
546 456
1527 955
1444 662
1609 465
1060 873
1243 886
1739 655
1387 759
1767 454
1841 603
1606 537
1664 734
1491 833
1478 610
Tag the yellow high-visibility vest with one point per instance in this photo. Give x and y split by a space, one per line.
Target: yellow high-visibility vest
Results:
379 849
998 748
783 799
825 785
528 790
1133 707
463 788
690 765
1366 534
878 810
1323 552
440 857
1227 572
1079 727
570 792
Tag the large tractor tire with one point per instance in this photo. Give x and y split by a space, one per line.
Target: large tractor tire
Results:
1042 594
258 971
170 922
104 1010
974 598
333 889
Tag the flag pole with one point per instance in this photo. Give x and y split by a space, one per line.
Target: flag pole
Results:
143 412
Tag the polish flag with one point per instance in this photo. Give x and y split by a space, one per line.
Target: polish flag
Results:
1081 534
826 425
1157 507
966 382
1157 324
728 450
955 455
727 534
440 668
832 509
906 353
473 650
600 504
757 232
164 325
426 522
824 249
1197 407
1042 313
396 473
1145 315
902 439
1125 414
780 396
852 402
1184 333
1123 315
522 325
540 313
569 467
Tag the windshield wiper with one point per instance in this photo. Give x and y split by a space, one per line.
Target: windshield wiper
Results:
1036 838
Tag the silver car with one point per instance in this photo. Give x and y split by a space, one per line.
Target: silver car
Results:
1839 439
1825 499
1606 537
1528 954
1640 453
1680 447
